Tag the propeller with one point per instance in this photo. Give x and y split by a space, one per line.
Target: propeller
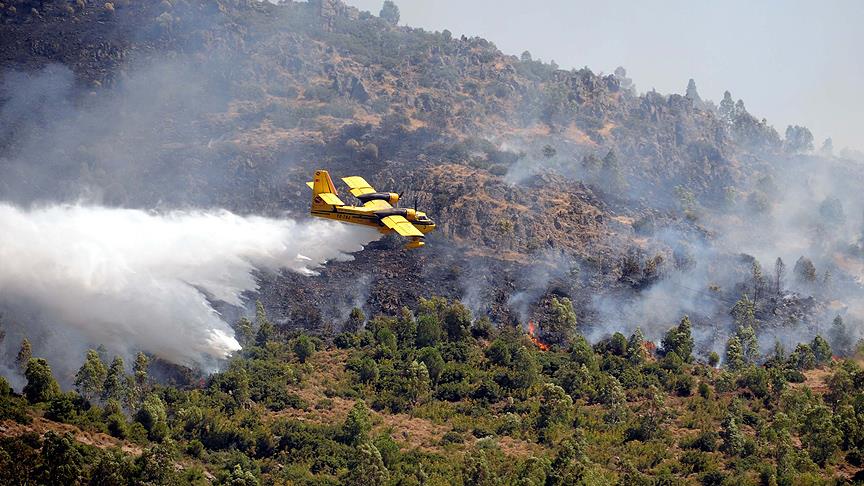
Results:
399 197
415 202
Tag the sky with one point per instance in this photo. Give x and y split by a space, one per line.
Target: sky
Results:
792 62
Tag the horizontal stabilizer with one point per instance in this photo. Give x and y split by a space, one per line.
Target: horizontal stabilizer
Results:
402 226
331 199
311 185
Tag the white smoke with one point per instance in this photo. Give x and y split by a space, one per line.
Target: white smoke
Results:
136 280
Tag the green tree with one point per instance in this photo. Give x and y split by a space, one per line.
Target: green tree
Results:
91 376
679 340
636 347
556 407
417 382
355 321
802 358
390 12
744 312
525 367
839 335
116 385
245 331
139 372
367 467
304 348
60 460
241 477
820 435
357 424
153 417
735 353
457 321
433 360
749 344
41 385
476 470
265 327
733 438
569 464
428 330
25 352
561 328
368 370
821 350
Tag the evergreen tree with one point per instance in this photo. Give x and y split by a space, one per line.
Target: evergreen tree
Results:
139 370
355 321
635 347
357 424
679 340
116 385
457 321
303 348
734 354
61 463
245 331
779 273
692 93
821 350
820 435
805 271
749 344
91 376
555 407
433 360
240 477
841 342
428 330
733 438
561 327
368 467
727 109
390 12
25 352
744 312
417 382
41 385
569 464
265 328
802 358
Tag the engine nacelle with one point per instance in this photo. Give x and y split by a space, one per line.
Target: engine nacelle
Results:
390 197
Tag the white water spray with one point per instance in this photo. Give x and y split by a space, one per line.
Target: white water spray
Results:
136 280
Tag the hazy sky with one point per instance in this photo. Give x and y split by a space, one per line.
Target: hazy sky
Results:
792 62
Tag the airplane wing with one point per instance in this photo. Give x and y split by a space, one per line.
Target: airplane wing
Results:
377 204
358 185
401 226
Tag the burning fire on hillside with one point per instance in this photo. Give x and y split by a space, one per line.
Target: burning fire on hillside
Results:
532 335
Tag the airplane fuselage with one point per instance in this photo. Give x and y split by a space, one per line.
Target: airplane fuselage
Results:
372 217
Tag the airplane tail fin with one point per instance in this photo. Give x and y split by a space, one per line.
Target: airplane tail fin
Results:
324 195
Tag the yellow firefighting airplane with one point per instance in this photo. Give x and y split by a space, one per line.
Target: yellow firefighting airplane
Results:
377 209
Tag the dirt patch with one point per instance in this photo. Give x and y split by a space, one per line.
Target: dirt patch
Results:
41 426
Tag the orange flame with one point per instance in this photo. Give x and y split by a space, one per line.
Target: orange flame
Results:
532 335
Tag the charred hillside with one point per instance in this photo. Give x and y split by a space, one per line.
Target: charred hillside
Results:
524 165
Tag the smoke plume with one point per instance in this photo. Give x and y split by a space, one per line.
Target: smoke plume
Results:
136 280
